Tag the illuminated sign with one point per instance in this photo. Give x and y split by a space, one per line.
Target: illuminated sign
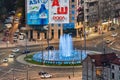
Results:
37 12
58 11
68 26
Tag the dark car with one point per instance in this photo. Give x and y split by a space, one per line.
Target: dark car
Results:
26 51
112 28
50 48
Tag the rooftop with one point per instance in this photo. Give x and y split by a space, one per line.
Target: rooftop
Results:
99 59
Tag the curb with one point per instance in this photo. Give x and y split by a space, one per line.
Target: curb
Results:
20 59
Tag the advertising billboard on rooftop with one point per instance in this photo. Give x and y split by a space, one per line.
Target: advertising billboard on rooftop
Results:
37 12
58 11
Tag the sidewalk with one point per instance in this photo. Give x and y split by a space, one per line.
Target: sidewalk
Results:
29 43
64 78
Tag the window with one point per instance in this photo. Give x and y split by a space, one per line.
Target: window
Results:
112 66
73 18
52 25
59 25
73 6
113 75
45 35
91 4
73 12
59 33
87 17
73 1
87 10
52 33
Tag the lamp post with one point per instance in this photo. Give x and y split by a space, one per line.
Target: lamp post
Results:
26 37
81 53
26 43
48 40
41 44
25 30
27 76
73 64
13 73
73 67
13 68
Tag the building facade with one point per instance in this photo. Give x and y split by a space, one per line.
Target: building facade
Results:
53 31
105 13
95 10
101 67
91 11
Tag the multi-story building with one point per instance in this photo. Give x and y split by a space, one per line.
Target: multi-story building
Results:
101 12
91 11
55 30
101 66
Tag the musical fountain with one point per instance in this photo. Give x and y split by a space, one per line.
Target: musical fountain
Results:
65 55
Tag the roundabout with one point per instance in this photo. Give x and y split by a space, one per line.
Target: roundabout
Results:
66 55
29 61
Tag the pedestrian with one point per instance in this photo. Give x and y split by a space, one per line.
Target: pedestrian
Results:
69 77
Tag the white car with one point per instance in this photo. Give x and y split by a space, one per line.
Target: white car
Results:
5 60
16 50
12 55
44 75
114 34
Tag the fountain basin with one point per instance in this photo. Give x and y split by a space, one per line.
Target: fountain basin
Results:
53 57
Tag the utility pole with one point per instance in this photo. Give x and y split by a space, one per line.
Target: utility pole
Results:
26 37
27 76
41 45
73 64
48 40
13 68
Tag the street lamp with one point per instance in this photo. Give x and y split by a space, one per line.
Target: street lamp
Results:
41 44
13 68
73 66
73 63
48 40
25 30
27 76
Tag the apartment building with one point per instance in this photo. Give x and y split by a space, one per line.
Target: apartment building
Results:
91 11
101 12
101 67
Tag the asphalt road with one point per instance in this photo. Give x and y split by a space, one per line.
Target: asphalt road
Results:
20 71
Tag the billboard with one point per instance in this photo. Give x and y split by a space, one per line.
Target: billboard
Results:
68 26
58 11
37 12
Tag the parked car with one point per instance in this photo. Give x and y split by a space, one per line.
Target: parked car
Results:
44 74
5 60
16 50
8 20
4 39
112 28
50 48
